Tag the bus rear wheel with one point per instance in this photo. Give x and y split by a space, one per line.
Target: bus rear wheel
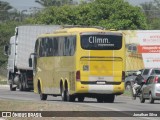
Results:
70 98
99 99
63 94
80 99
109 98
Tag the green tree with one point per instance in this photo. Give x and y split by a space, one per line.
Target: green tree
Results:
47 3
152 12
4 8
6 31
111 14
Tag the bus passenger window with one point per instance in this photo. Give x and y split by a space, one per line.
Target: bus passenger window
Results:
55 46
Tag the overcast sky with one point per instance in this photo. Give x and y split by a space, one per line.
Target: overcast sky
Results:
27 4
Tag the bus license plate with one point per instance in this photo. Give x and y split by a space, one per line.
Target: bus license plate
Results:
101 83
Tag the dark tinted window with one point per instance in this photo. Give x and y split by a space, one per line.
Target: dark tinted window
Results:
57 46
129 48
134 48
36 46
42 48
157 72
101 42
146 71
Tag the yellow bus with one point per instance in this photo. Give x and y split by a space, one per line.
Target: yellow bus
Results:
75 63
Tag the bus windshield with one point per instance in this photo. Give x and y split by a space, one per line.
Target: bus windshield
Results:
101 41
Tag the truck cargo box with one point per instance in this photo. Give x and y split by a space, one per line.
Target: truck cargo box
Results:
25 40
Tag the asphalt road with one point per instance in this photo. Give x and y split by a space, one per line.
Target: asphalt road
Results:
122 103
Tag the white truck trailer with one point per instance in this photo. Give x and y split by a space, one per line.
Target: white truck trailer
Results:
20 75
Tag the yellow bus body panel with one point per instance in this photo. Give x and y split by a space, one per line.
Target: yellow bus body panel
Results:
103 65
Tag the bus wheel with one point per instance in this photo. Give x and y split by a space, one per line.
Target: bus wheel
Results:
99 99
109 98
80 99
63 94
42 96
70 98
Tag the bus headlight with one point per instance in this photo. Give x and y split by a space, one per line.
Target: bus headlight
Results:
85 67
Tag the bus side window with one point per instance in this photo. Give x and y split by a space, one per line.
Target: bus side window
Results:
66 47
49 47
61 46
72 45
55 46
40 48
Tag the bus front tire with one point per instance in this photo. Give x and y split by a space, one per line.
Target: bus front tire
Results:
42 96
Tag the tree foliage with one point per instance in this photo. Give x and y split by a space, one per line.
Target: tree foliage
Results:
47 3
6 31
152 12
4 7
111 14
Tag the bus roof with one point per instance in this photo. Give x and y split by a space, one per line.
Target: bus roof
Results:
77 30
73 31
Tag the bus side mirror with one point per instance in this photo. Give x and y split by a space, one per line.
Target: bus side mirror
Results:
30 59
6 48
30 62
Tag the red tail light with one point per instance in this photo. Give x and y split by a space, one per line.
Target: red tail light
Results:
156 80
78 76
123 76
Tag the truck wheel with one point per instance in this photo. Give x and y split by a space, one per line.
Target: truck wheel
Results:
20 86
20 83
24 77
12 88
11 84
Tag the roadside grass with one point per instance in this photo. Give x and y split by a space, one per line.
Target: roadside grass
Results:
3 80
127 93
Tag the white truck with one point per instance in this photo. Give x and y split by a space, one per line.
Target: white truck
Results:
20 75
